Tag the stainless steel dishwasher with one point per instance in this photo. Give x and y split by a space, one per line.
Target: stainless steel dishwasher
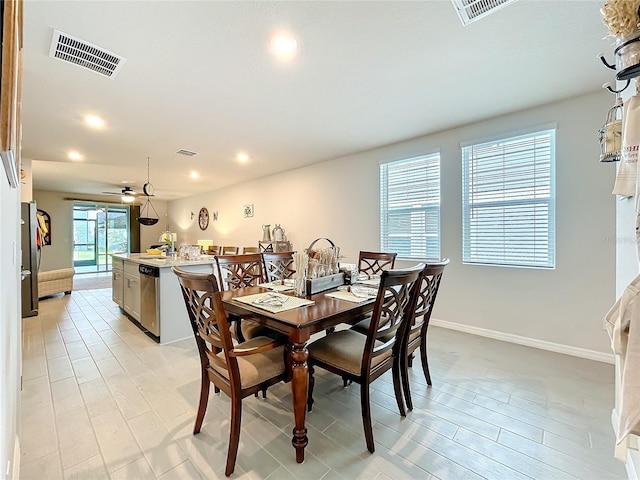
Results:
149 301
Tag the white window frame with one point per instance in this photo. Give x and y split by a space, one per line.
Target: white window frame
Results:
420 207
508 200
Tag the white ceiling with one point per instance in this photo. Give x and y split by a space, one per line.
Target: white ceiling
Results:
199 76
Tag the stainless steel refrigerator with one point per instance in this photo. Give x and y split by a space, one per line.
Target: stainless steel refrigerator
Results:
30 258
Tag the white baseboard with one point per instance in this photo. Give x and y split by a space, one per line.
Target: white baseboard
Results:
529 342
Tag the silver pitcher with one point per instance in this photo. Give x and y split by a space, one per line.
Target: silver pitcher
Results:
266 233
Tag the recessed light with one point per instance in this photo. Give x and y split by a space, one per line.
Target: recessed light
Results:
242 157
283 45
93 121
73 155
194 174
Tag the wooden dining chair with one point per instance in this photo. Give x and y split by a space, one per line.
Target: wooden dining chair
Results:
250 250
229 250
373 263
278 266
214 250
238 370
364 358
239 271
416 335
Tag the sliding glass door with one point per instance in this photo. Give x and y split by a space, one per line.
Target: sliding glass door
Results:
98 231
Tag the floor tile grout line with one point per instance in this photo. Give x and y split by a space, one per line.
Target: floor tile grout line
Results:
518 419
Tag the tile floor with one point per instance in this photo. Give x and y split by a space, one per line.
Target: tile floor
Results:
103 401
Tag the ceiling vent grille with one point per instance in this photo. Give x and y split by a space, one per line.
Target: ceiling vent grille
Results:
472 10
186 153
73 50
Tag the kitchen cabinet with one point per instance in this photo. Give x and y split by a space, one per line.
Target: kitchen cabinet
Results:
131 291
173 322
117 281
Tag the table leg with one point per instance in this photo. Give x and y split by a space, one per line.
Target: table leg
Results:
299 390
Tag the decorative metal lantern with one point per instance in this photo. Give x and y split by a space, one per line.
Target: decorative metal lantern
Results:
610 135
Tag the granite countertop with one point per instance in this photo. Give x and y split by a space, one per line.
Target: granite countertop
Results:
164 261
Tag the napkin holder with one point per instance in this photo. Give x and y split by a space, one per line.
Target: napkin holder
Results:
320 284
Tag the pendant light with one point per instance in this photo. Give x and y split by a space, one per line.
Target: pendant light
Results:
610 135
145 217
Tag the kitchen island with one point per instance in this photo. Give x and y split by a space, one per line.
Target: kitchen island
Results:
148 292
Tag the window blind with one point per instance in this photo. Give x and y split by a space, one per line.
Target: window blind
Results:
509 201
410 207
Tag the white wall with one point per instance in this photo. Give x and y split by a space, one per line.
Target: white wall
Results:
10 323
339 199
60 253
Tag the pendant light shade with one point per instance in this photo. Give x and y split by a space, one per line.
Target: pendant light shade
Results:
610 135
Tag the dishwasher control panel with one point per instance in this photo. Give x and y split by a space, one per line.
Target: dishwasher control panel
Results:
149 270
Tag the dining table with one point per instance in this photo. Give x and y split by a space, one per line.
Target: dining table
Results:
324 313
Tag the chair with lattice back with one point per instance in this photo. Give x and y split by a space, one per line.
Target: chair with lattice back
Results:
278 265
364 358
238 370
373 263
239 271
417 334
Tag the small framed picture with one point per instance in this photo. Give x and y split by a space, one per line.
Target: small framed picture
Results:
248 210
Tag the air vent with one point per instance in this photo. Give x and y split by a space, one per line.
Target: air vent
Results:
186 153
84 54
472 10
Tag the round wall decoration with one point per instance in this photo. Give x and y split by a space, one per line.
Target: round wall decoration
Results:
203 218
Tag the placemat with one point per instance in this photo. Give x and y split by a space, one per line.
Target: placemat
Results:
277 286
289 301
348 296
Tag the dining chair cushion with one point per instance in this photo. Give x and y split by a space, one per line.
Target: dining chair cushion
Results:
414 335
259 367
343 350
251 328
362 327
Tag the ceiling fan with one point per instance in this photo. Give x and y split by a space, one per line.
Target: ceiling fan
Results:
127 195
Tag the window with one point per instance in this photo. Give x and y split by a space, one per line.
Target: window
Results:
410 207
509 201
98 231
